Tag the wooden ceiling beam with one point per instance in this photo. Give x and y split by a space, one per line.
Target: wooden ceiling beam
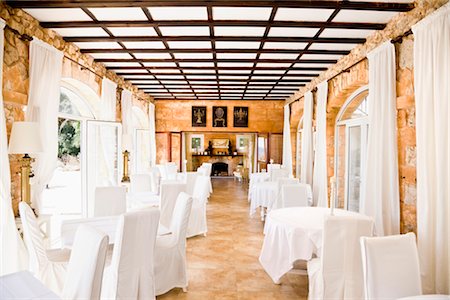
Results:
373 6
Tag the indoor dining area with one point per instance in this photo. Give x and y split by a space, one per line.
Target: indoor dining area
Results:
181 149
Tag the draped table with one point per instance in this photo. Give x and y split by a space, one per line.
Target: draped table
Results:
23 285
291 234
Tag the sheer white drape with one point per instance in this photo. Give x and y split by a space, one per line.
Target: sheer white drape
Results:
43 105
381 191
183 152
320 178
127 121
13 255
306 174
152 126
108 106
287 147
432 93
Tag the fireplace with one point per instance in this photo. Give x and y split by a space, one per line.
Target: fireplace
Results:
219 169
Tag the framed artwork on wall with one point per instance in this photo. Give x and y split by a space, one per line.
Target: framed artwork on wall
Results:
219 116
197 143
240 116
198 116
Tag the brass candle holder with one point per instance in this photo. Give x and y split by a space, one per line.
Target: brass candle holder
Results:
126 159
25 175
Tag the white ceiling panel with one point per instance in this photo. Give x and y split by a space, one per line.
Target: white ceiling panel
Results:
174 82
235 64
346 33
314 65
242 13
118 14
165 71
364 16
131 71
184 30
111 55
193 82
321 56
233 77
332 46
98 45
147 86
122 64
160 64
178 13
189 45
58 14
238 31
236 55
198 77
303 14
221 71
196 64
169 76
144 82
292 32
277 45
302 72
273 65
80 31
132 31
144 45
152 55
266 77
237 45
269 72
193 55
193 71
292 56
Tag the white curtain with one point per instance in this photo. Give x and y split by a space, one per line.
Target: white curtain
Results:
108 106
43 105
306 174
183 152
381 190
152 126
287 147
320 178
127 122
432 94
13 255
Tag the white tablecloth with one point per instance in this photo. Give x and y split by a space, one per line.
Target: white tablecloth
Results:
427 297
264 194
255 178
291 234
23 285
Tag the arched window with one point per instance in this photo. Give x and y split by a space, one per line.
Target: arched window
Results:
350 150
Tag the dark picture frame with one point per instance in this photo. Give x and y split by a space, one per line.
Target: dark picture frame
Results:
220 115
240 116
198 116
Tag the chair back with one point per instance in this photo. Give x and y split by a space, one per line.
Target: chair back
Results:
341 256
201 189
171 171
87 261
293 195
33 238
155 179
279 173
208 167
180 218
271 167
202 170
131 273
141 183
191 178
391 267
168 194
110 201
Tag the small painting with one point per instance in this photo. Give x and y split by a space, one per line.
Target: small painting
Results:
240 116
198 116
219 116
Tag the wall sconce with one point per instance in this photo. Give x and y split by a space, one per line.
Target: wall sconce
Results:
25 139
127 144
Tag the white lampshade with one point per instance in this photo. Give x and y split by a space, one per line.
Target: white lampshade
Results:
25 138
127 142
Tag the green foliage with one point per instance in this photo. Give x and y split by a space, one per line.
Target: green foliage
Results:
68 138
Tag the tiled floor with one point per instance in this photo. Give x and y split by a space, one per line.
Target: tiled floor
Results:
224 265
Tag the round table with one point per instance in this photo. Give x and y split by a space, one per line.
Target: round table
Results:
291 234
427 297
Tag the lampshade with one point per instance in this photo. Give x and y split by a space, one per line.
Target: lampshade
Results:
25 138
127 142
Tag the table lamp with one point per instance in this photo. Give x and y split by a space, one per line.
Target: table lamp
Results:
127 144
25 139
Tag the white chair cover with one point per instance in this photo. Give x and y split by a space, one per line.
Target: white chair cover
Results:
171 171
130 275
169 193
140 183
170 251
190 182
338 273
87 261
110 201
391 267
271 167
293 195
202 170
279 173
280 183
155 179
197 220
50 267
208 167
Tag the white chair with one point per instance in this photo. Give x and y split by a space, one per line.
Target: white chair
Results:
87 261
130 274
279 173
110 201
391 267
191 177
208 167
197 220
155 179
338 273
49 266
171 171
293 195
170 250
140 183
168 198
271 167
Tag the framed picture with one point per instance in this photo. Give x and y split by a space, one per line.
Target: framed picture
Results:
219 116
242 143
198 116
240 116
197 143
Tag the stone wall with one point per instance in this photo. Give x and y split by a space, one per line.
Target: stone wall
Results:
76 66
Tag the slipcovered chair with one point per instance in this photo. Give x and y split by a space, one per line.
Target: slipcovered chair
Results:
271 167
110 201
171 171
168 198
49 266
170 251
191 177
292 195
208 167
391 266
130 274
279 173
141 192
338 272
87 261
197 220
